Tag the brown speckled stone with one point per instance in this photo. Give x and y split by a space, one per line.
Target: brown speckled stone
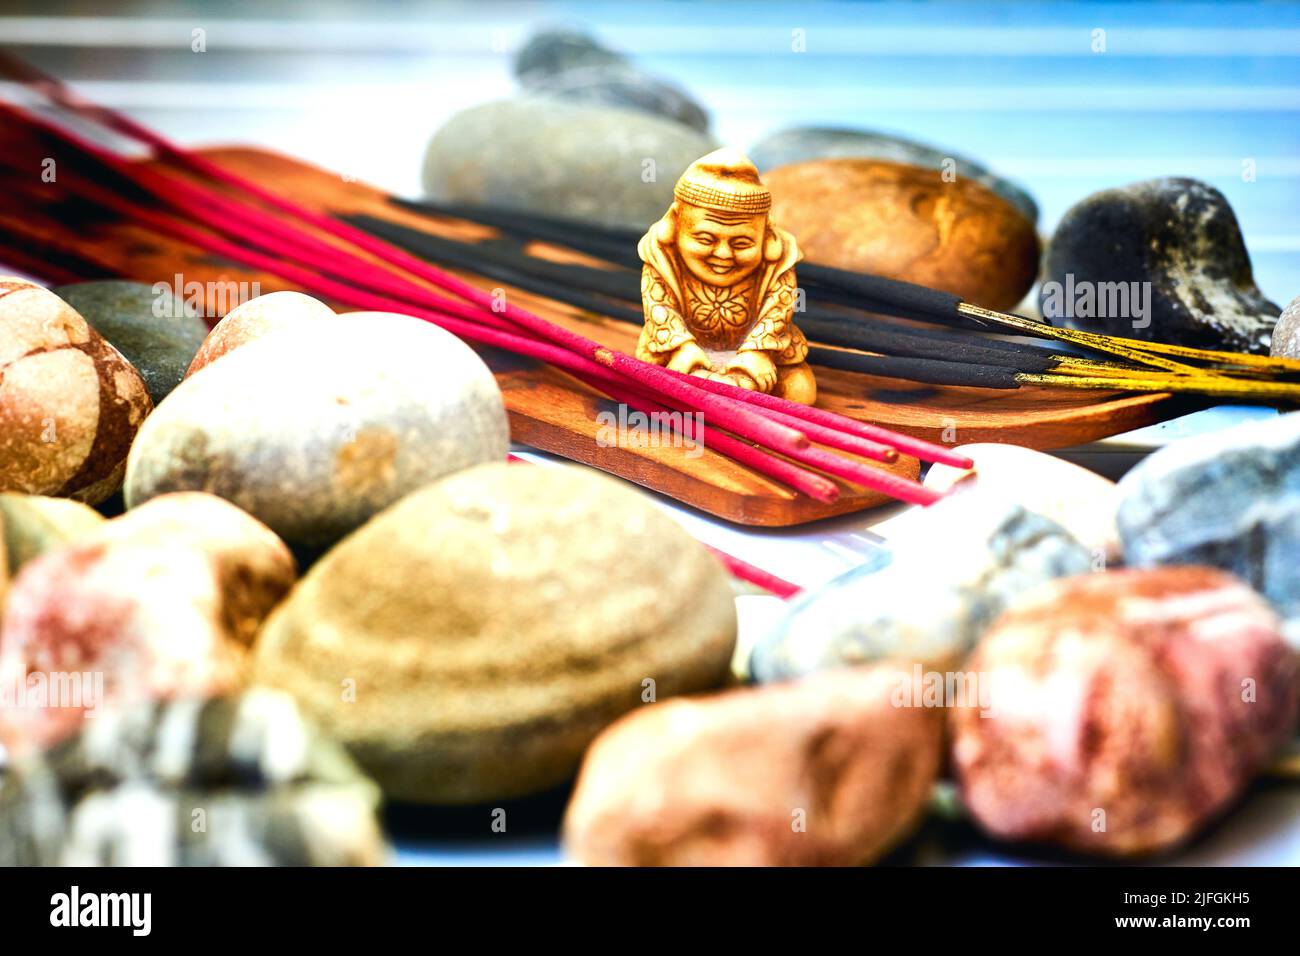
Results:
797 144
905 222
313 433
162 601
1128 709
70 403
469 642
824 771
255 318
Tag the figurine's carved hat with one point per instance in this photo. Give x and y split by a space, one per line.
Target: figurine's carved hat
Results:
724 180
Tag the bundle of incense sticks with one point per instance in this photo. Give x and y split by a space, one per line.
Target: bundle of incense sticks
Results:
859 322
244 222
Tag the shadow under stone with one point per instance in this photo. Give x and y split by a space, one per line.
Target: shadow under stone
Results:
540 814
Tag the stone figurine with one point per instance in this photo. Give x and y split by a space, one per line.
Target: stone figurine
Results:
718 287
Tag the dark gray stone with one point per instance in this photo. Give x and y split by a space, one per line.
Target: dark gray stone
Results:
1172 244
956 566
1231 500
155 333
625 87
127 791
802 143
551 52
1286 334
552 157
575 67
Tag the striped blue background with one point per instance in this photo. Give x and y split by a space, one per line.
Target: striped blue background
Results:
1182 89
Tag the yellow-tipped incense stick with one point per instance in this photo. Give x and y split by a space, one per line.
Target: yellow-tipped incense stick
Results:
1218 386
1228 375
1130 349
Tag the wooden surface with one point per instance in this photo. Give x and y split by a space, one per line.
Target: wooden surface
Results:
549 410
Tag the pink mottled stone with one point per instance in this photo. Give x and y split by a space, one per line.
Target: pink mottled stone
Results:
254 319
822 771
1128 709
161 602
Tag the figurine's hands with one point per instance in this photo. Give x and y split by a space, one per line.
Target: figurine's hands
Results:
688 358
738 379
758 366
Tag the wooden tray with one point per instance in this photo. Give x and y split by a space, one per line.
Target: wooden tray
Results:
551 411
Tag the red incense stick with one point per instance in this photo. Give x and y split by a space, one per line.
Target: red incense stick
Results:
785 427
771 433
455 317
904 489
834 438
916 447
756 576
810 483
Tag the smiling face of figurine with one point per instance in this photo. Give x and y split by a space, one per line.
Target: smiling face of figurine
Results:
719 248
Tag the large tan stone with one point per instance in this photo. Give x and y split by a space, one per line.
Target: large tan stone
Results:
470 641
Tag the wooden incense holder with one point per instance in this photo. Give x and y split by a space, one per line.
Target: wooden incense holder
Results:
551 411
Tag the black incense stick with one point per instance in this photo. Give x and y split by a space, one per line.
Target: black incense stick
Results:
868 292
510 263
1126 363
908 354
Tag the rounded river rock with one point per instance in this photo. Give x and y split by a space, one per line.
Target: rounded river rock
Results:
575 67
160 602
132 787
1125 711
468 643
1286 334
800 143
1162 260
905 222
153 329
827 771
312 433
259 316
1080 501
70 403
30 525
1229 499
552 157
952 569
